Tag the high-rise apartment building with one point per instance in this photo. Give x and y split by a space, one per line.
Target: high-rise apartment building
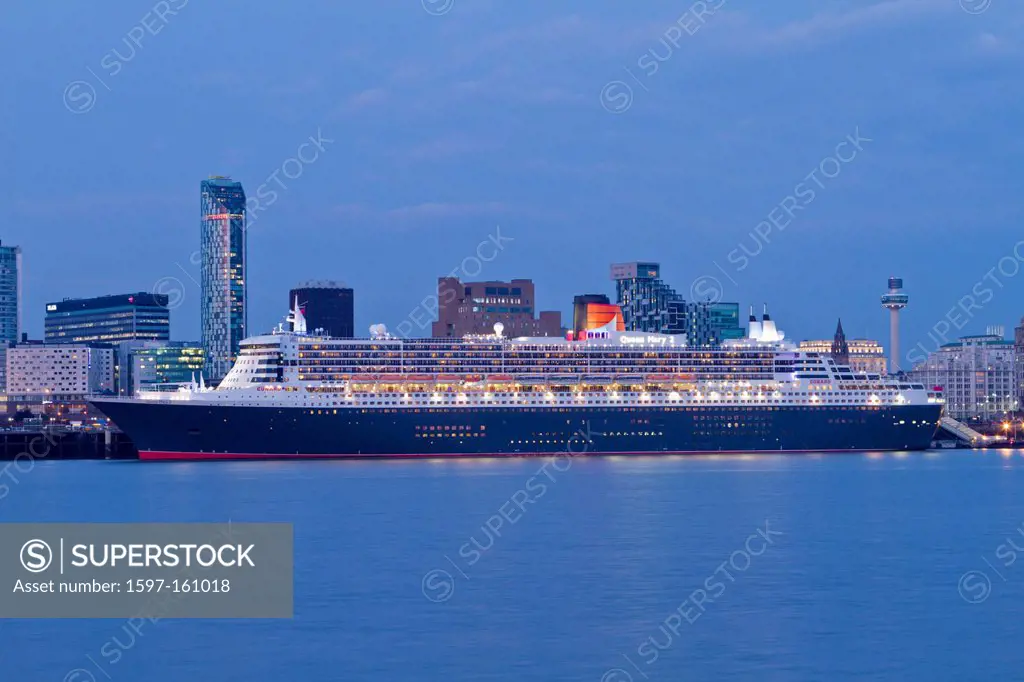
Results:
650 305
327 306
223 248
475 307
109 319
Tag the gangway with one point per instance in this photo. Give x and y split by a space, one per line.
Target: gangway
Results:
961 431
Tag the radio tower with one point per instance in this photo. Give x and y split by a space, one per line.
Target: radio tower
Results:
895 302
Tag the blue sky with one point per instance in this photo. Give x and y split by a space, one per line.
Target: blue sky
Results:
451 117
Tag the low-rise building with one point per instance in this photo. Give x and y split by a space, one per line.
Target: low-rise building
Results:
157 365
39 374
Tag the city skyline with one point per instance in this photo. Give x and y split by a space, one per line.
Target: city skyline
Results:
421 197
944 333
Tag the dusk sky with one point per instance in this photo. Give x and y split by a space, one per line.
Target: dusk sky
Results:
590 131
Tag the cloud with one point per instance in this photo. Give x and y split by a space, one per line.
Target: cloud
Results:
365 99
420 212
303 86
93 205
433 211
882 14
991 44
505 87
737 30
448 147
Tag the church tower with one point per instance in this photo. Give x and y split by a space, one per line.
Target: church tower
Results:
840 349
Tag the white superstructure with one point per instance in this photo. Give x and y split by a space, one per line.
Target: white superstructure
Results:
609 368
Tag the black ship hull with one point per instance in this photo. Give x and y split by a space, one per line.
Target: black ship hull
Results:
201 431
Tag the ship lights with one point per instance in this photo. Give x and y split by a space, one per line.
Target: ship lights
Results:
549 395
673 395
435 397
645 396
462 398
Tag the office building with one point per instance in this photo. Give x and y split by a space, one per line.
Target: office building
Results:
475 307
978 375
157 365
109 319
723 321
327 306
222 248
1018 360
650 305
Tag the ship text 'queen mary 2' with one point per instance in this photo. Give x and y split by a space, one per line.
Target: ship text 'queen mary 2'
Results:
294 394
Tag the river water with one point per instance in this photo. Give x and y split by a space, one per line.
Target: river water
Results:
769 567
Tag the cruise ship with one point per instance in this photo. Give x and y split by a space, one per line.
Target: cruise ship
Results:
296 394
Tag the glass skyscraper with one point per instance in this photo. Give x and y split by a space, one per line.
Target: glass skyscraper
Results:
222 239
10 293
10 304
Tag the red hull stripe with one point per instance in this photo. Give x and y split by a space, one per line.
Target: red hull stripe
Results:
154 455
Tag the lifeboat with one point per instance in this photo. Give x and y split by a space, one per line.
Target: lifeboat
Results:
597 379
500 378
564 379
684 378
534 379
658 378
364 378
629 379
448 378
419 378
